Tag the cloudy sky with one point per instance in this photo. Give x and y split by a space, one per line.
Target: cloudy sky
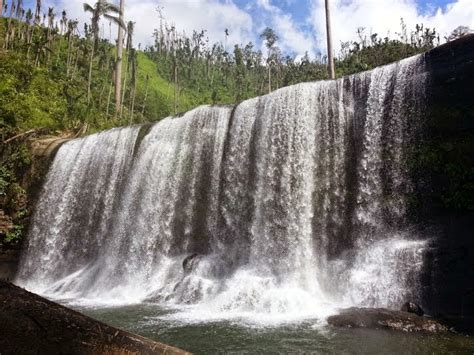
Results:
299 23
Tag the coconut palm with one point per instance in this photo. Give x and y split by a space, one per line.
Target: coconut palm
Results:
101 8
128 47
38 12
9 31
118 62
63 21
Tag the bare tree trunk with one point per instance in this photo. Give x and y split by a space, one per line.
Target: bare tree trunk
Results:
108 103
118 68
74 69
269 79
8 31
146 97
332 74
133 102
69 54
175 87
124 88
89 79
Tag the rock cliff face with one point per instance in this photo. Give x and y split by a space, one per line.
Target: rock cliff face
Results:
444 175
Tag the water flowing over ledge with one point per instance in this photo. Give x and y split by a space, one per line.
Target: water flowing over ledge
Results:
289 206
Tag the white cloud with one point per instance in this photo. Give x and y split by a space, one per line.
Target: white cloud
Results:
186 15
383 17
377 16
211 15
291 38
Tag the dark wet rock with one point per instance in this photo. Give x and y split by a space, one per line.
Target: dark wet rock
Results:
381 318
411 307
30 324
190 262
8 263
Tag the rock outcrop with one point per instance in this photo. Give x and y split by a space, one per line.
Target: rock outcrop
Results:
381 318
30 324
411 307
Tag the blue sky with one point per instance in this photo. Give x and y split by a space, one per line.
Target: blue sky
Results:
299 23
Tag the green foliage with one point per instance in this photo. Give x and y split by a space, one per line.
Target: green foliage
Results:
15 235
5 179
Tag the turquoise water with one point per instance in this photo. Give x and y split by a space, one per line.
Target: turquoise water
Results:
244 337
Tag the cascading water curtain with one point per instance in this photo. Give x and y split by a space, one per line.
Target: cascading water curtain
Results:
287 205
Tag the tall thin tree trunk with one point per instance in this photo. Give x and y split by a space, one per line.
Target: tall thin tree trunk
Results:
331 71
69 54
108 102
74 69
118 68
175 87
133 101
124 85
146 96
8 31
269 79
124 89
89 79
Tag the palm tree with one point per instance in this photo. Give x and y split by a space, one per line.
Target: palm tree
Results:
71 31
101 8
128 47
38 12
118 64
134 74
270 39
63 21
9 31
329 41
51 16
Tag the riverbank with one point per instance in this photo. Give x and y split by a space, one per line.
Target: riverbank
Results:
30 324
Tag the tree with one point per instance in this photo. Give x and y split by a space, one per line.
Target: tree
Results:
458 32
240 71
101 8
9 31
329 41
128 47
270 39
118 64
38 12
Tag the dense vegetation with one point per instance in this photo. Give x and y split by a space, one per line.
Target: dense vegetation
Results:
55 81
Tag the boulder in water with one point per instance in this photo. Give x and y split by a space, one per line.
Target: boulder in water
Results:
382 318
190 262
411 307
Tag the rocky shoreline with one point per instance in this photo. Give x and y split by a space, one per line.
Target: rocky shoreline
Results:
30 324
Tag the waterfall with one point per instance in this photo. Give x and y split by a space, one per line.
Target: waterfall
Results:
287 205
